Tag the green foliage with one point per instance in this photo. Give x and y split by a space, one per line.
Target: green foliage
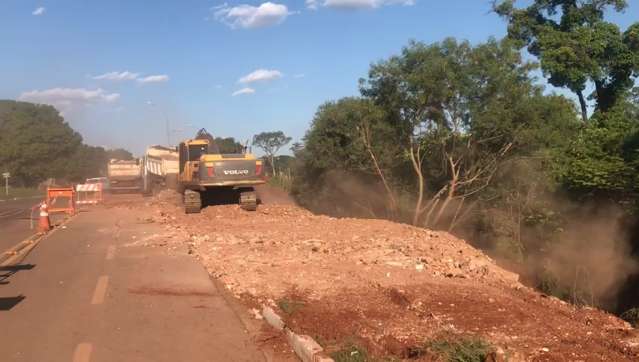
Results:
270 143
576 45
350 353
282 180
333 145
36 144
119 154
466 349
290 306
475 104
631 316
228 145
602 160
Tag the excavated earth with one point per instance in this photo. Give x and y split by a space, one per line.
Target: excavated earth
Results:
386 287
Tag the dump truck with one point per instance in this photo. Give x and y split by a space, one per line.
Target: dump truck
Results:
161 167
125 175
207 176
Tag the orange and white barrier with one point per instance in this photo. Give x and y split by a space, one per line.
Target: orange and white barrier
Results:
88 194
57 194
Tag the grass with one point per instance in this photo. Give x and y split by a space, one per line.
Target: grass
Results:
465 349
289 306
350 353
282 179
19 192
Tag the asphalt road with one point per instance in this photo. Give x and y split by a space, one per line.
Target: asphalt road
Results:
96 291
14 221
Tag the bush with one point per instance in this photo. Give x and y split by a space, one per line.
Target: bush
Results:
467 349
351 353
631 316
289 306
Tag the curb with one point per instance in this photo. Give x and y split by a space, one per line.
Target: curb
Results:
304 346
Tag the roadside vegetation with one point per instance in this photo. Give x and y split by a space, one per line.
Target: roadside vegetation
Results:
456 349
465 138
19 192
37 144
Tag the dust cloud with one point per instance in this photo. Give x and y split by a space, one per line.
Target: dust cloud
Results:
593 257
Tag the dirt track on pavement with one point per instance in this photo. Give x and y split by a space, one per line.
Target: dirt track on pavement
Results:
387 287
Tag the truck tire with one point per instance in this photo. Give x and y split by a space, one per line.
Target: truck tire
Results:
192 202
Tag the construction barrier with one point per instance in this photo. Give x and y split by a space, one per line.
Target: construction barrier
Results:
88 194
54 194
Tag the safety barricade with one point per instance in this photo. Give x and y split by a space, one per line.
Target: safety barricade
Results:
88 194
58 196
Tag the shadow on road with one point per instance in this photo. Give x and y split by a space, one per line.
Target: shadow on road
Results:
7 303
7 271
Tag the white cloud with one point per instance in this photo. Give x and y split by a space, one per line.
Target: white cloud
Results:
66 99
39 11
300 75
311 4
117 76
356 4
261 75
243 91
154 79
249 16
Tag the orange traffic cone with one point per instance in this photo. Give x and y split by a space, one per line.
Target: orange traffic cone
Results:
44 224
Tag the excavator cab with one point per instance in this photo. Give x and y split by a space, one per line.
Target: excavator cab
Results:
190 152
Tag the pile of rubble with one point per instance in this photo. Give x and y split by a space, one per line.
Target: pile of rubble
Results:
250 252
390 286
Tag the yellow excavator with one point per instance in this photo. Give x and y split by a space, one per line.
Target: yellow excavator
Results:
207 176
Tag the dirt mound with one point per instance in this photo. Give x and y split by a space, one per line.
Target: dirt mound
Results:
324 254
390 287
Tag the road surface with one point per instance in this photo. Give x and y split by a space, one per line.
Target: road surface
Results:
95 291
14 221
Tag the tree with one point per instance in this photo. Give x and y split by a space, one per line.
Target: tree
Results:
453 108
270 143
577 47
35 142
228 145
118 154
602 162
348 137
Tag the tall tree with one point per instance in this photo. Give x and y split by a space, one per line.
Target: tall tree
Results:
35 142
451 106
577 47
270 143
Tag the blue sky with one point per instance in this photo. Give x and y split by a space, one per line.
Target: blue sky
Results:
117 69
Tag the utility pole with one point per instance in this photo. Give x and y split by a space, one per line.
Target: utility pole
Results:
6 176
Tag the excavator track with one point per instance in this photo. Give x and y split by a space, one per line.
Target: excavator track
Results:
192 202
248 200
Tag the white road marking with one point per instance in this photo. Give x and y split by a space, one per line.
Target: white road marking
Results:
110 252
100 290
83 352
